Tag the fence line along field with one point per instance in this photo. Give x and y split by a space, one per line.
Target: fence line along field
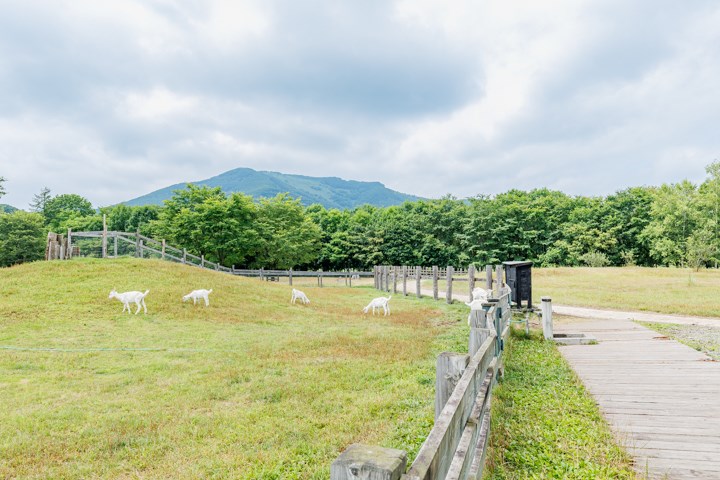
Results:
249 387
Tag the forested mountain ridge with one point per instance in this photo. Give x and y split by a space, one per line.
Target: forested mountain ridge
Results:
330 192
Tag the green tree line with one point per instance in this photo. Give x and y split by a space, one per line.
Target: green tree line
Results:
673 224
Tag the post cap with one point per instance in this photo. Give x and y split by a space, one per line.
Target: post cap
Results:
368 461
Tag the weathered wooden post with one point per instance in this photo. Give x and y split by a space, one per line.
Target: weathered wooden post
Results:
488 277
449 368
498 280
202 261
471 280
404 275
435 281
63 245
115 245
448 288
375 277
395 279
184 259
418 281
386 278
366 462
69 252
104 237
321 278
163 249
142 249
137 243
290 276
547 322
479 331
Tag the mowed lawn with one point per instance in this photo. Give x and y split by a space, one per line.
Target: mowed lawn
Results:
664 290
251 387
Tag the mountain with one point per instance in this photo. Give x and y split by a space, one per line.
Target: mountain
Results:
5 208
331 192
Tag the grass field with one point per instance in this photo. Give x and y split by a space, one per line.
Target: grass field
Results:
251 387
664 290
545 424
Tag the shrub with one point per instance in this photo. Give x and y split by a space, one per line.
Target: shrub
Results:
595 259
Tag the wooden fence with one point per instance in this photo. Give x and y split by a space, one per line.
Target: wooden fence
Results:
112 244
395 278
456 447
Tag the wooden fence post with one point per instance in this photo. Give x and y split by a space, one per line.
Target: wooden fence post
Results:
69 252
479 331
449 368
137 243
104 237
163 249
395 275
386 279
202 261
404 275
488 277
498 280
320 278
448 288
290 276
115 245
418 280
547 322
435 281
184 260
471 280
368 463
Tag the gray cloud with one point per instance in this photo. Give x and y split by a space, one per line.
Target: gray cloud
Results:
113 100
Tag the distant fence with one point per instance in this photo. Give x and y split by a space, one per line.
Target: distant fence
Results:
111 244
400 278
456 447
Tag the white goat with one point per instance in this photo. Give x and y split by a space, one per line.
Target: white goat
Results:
298 295
379 302
478 305
197 295
127 297
480 294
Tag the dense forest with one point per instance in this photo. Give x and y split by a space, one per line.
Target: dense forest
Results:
673 224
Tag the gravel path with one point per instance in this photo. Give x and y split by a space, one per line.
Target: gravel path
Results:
700 337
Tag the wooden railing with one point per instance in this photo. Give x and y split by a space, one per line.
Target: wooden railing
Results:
401 278
110 243
457 444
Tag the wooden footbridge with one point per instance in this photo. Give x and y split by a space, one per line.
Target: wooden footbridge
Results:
661 398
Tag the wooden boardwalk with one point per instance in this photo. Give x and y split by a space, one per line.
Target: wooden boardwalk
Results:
661 398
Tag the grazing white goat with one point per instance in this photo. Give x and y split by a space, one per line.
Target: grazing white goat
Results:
379 302
197 295
298 295
127 297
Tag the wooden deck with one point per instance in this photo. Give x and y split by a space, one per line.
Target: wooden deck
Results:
661 398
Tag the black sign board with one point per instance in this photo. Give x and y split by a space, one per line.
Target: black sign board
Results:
518 276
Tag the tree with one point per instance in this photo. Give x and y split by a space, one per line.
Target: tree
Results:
40 200
2 187
22 237
286 236
207 222
62 208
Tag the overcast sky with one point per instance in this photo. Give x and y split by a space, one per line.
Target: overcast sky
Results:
114 99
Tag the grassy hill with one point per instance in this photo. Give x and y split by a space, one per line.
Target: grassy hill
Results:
331 192
251 387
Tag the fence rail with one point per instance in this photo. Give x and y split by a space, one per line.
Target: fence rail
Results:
111 244
455 448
